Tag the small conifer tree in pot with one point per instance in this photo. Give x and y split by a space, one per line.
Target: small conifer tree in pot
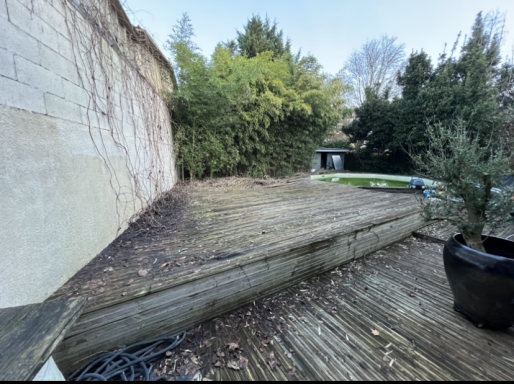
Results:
468 174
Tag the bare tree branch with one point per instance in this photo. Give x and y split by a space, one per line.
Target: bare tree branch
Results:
375 65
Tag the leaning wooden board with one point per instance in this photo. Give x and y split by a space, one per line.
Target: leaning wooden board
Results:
29 334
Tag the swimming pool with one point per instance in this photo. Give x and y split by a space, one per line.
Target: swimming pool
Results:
368 180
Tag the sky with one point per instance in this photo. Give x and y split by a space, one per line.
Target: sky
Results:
329 29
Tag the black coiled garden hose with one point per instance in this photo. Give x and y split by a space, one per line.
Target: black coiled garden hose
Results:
129 363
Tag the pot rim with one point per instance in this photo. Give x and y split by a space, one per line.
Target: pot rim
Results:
490 255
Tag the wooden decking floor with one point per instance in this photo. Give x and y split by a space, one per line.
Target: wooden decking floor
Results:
441 231
219 249
388 316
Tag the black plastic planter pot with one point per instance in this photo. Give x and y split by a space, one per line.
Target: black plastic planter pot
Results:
482 283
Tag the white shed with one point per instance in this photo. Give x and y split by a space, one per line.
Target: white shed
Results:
329 158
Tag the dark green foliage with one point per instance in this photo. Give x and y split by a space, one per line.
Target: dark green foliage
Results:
261 36
391 163
473 88
505 82
181 33
251 115
372 133
464 88
506 105
411 116
375 122
466 170
337 144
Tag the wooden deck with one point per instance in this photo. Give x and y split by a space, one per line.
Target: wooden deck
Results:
29 335
388 316
225 249
441 231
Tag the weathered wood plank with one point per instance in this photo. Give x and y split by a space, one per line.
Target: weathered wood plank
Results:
29 334
441 231
433 239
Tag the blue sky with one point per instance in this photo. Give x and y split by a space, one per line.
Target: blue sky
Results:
329 29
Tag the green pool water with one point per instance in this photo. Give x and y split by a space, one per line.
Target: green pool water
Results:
367 182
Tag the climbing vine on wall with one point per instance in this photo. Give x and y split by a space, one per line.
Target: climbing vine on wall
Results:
124 82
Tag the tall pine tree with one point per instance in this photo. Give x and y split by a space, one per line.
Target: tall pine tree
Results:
261 36
472 88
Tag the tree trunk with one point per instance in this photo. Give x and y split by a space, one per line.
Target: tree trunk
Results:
474 241
473 237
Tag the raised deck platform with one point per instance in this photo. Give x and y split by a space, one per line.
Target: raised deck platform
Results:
225 249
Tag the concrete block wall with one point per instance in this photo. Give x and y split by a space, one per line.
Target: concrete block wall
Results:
79 129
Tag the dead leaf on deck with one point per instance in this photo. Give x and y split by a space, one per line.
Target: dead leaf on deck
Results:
233 364
142 272
232 347
243 363
375 332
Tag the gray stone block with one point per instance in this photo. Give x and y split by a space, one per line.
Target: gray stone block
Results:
58 107
76 94
16 41
7 63
38 77
54 62
29 22
3 11
94 118
15 94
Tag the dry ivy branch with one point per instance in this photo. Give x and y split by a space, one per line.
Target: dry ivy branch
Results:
126 116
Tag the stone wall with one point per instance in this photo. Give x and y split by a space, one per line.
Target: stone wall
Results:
85 137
